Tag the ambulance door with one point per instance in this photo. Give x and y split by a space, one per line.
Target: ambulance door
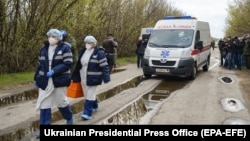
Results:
197 50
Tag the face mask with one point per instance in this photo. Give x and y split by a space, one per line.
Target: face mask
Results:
88 46
52 41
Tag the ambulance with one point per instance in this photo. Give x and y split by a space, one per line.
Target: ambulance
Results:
178 46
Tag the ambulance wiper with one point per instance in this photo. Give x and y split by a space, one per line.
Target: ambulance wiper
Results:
169 46
153 44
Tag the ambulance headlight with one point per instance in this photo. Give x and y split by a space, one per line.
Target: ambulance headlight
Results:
185 54
146 53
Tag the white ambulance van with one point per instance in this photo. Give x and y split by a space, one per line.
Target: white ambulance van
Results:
178 46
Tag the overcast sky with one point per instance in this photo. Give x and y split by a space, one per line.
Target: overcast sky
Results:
213 11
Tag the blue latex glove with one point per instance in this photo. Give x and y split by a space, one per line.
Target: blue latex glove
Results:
50 73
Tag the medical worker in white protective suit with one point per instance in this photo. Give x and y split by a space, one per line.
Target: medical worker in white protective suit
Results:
52 77
91 70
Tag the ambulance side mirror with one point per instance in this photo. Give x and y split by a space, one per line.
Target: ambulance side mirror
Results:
199 45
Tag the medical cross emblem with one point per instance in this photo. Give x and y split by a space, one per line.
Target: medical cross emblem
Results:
165 53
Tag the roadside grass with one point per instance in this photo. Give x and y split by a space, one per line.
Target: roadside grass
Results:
7 80
125 60
15 79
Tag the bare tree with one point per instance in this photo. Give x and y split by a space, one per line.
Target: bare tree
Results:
23 25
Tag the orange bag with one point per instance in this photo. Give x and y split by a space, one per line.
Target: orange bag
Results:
75 90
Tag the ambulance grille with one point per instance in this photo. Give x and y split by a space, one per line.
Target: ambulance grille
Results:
158 63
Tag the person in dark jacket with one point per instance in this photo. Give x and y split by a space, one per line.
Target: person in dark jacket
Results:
222 51
246 51
238 50
141 45
91 70
52 77
213 44
72 43
109 44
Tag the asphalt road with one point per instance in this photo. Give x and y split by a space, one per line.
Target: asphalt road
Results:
207 99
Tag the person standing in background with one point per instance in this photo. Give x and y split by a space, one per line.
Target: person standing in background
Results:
246 51
221 45
237 53
91 70
109 44
140 49
52 77
213 44
72 43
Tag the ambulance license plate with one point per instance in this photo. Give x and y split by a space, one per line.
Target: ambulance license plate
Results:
162 70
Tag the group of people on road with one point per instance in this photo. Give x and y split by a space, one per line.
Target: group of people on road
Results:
235 52
58 65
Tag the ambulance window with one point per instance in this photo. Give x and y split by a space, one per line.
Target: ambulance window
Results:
171 38
197 37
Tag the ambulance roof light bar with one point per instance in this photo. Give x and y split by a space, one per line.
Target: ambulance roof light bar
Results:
179 17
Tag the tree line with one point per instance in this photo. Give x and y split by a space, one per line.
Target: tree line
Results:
238 20
24 23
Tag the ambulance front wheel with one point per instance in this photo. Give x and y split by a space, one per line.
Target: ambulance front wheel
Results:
206 66
193 73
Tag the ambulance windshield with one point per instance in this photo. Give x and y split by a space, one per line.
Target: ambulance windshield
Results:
171 38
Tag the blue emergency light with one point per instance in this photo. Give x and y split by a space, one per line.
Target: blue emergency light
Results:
179 17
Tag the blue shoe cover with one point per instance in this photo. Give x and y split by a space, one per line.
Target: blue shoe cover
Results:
38 135
86 117
94 110
70 121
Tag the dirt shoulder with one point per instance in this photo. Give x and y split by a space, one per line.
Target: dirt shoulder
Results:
244 77
16 88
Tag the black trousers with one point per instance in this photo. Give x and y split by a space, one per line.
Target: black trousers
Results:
111 61
221 59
